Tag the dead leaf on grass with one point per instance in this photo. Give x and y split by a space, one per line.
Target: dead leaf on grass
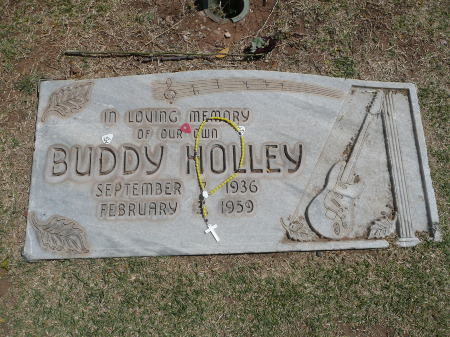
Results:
223 52
5 263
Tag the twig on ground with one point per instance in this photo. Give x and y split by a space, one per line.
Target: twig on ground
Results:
268 17
84 53
168 58
165 31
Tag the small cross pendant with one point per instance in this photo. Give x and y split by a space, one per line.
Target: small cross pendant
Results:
211 229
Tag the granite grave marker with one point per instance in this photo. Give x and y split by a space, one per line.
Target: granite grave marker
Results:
328 164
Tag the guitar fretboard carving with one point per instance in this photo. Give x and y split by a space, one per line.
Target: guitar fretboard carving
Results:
171 90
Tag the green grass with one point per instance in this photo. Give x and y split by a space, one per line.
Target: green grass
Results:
248 297
392 292
344 67
145 17
436 99
28 83
437 113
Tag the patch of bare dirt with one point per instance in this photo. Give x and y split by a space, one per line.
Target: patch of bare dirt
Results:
211 35
191 27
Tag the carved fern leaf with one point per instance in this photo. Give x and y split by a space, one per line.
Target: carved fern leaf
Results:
68 100
60 233
382 227
298 231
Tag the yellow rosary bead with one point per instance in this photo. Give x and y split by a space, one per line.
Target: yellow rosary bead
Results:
205 194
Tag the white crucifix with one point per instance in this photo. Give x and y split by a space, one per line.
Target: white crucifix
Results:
211 229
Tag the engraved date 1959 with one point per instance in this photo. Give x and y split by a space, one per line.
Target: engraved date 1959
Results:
237 207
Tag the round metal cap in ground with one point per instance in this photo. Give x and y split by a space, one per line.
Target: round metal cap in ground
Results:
223 11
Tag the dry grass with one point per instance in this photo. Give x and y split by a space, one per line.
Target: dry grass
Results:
394 292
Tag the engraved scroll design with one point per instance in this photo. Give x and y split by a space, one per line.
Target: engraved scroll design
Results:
59 233
68 100
171 90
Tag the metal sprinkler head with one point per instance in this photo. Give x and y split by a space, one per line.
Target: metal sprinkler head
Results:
223 11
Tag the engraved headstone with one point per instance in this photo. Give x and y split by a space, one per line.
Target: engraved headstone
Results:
328 164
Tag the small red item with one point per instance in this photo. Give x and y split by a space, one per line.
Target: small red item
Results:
186 128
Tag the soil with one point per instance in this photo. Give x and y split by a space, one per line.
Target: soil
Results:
211 35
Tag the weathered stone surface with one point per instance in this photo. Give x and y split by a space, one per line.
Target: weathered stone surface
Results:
329 164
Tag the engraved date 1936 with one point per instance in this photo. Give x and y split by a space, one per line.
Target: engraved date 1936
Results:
241 186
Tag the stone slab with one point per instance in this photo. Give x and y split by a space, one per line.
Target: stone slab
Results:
329 164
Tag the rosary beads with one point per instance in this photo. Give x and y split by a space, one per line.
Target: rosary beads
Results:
204 194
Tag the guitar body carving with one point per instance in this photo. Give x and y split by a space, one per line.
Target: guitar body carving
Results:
330 213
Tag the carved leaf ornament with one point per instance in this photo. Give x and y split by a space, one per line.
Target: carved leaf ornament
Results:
60 233
382 227
297 230
68 100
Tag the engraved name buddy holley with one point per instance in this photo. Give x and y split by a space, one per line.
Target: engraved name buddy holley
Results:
120 172
81 163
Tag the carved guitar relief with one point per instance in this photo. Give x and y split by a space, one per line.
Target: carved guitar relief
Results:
331 212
